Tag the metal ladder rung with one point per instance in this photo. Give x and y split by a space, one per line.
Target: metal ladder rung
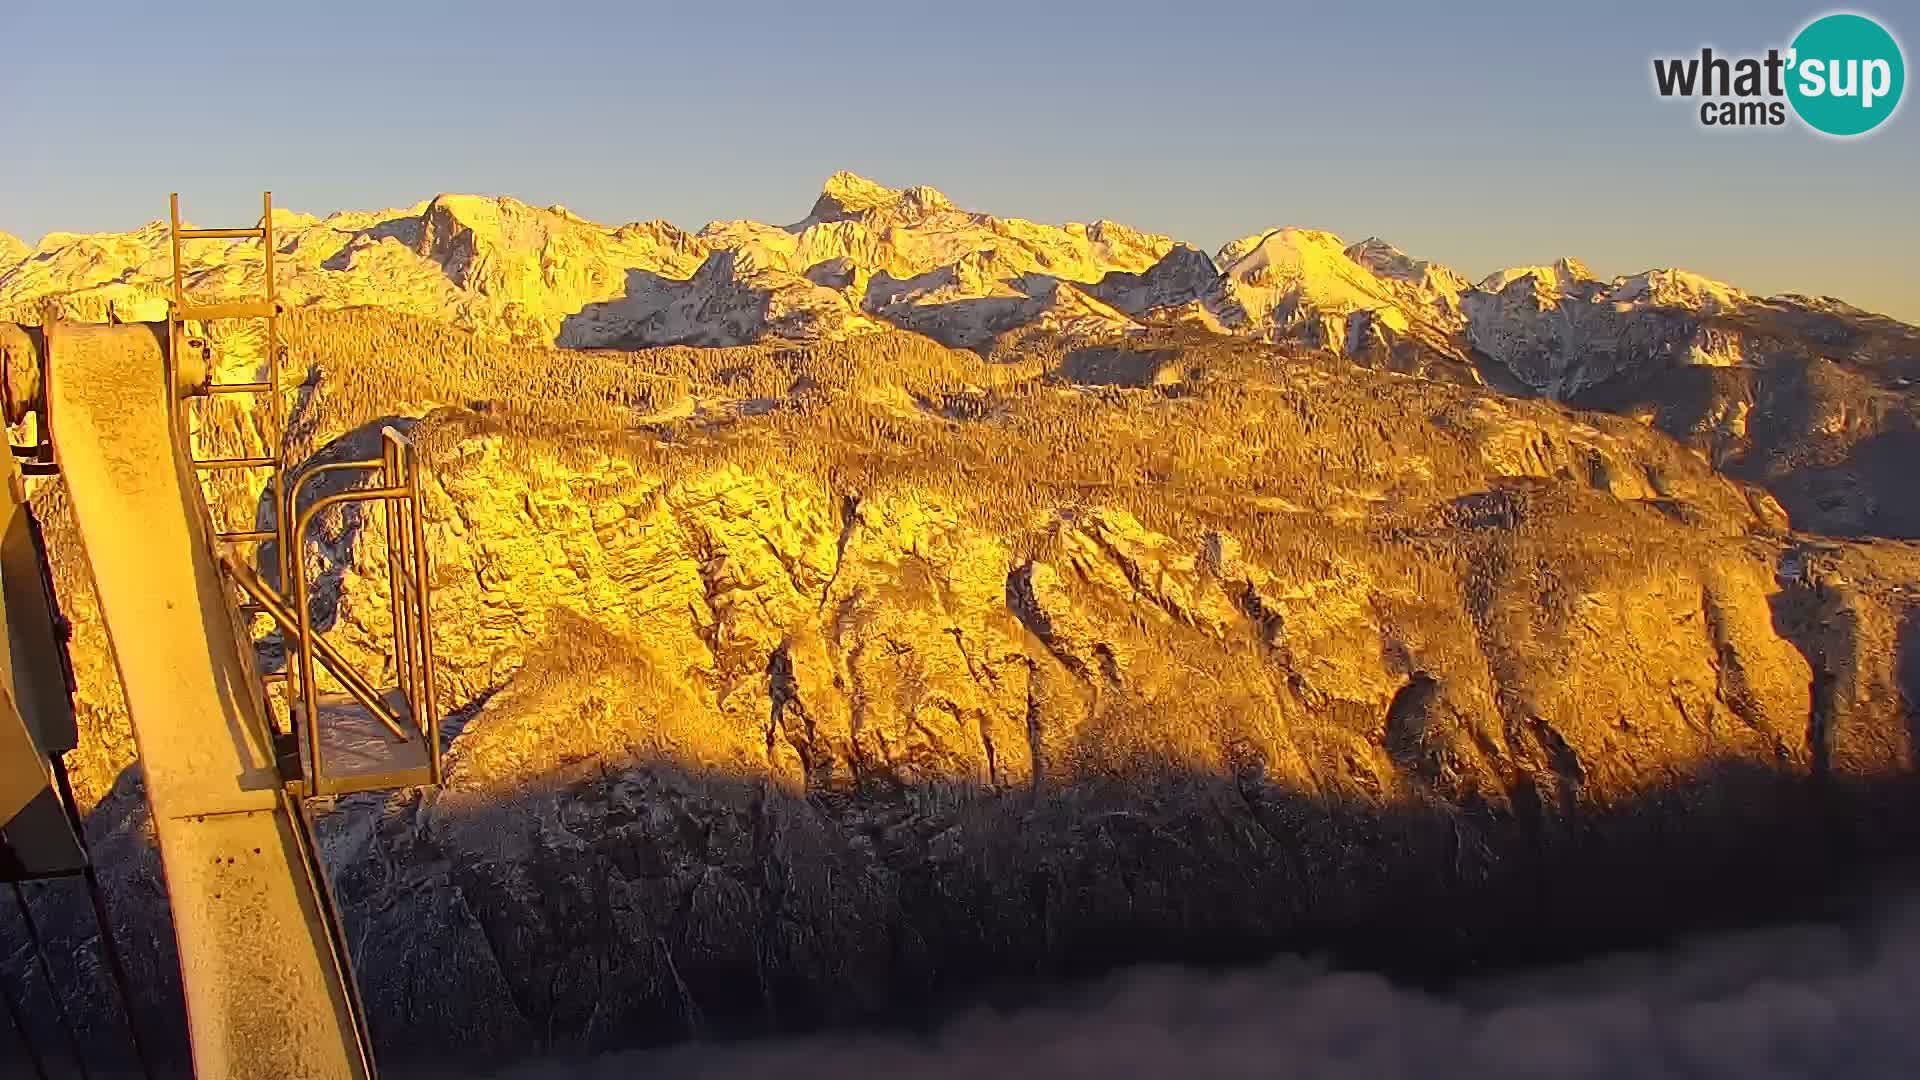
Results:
256 233
206 464
235 309
238 388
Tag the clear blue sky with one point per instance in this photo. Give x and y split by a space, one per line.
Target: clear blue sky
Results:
1478 134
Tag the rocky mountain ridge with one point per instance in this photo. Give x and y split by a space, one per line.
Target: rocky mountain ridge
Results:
868 256
1808 396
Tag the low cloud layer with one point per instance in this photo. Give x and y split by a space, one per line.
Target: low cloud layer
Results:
1811 1001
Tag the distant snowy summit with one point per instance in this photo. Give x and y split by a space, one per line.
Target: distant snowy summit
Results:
868 258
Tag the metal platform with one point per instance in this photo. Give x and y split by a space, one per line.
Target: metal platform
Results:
358 753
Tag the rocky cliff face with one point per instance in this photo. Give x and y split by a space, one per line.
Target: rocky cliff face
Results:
766 742
803 685
1817 401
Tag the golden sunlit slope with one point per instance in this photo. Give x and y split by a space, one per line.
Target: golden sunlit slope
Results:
1247 477
813 677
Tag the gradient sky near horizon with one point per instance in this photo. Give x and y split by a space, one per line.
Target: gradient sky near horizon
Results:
1478 134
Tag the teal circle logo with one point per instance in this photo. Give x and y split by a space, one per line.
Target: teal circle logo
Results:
1846 74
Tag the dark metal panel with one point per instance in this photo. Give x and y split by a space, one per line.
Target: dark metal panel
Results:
37 841
35 657
23 772
36 705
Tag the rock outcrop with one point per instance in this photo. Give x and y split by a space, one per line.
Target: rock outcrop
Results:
12 250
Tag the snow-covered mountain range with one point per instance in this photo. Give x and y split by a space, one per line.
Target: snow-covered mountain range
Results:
868 257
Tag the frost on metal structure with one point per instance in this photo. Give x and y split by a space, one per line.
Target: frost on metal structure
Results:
269 992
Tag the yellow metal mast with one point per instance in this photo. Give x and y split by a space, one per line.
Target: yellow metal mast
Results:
268 986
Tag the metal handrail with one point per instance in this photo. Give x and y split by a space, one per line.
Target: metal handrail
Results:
290 499
407 581
276 607
302 609
412 625
310 471
405 666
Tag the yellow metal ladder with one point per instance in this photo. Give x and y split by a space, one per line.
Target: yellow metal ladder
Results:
181 311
